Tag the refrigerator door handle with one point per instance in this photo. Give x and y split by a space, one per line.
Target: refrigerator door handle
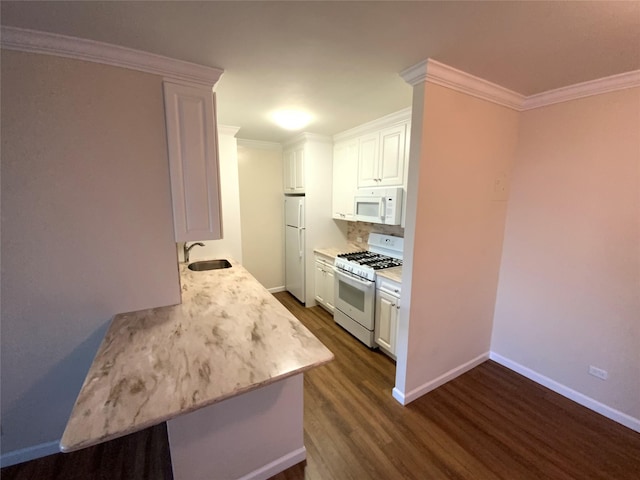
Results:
299 214
300 242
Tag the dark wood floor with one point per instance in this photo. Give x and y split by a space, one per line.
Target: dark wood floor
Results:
142 455
490 423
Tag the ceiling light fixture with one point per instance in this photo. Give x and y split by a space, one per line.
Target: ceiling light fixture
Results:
292 119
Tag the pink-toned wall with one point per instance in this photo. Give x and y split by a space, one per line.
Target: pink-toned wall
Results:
460 146
86 228
569 292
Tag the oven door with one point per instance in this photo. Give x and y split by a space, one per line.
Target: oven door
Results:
355 297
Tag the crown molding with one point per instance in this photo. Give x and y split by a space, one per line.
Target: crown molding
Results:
259 144
34 41
389 120
435 72
228 130
306 136
584 89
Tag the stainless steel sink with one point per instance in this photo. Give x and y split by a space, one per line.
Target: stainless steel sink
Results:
209 265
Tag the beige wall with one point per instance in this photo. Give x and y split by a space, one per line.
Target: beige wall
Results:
230 245
262 211
569 293
86 227
457 227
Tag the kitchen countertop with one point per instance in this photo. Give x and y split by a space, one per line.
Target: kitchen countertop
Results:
394 274
227 337
333 252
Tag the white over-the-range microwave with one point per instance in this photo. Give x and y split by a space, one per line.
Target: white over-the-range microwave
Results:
379 205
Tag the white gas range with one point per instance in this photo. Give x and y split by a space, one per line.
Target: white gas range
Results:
355 285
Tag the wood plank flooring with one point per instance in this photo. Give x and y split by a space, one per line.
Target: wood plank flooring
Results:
490 423
141 455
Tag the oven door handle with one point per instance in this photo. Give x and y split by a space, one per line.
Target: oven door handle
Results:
356 279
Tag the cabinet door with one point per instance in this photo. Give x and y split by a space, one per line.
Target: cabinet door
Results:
368 164
386 321
298 177
289 170
293 163
345 183
392 164
319 282
329 288
193 162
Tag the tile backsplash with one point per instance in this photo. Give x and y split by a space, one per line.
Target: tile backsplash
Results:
361 230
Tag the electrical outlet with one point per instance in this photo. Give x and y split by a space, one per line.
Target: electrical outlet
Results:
598 372
500 190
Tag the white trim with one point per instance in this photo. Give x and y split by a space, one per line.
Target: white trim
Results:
306 136
29 453
33 41
398 395
259 144
435 72
405 398
590 403
276 289
228 130
584 89
277 466
389 120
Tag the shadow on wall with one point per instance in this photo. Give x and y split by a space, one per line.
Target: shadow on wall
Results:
55 386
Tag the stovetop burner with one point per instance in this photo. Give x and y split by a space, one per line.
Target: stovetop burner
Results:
371 259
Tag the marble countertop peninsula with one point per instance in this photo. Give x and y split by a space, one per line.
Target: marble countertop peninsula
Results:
227 337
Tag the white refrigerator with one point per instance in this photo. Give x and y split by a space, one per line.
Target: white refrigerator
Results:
294 246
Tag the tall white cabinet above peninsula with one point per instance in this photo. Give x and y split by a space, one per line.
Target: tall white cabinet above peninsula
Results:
190 114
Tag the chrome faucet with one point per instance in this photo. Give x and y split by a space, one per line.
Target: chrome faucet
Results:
187 249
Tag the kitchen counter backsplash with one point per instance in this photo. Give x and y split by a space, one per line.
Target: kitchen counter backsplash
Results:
362 230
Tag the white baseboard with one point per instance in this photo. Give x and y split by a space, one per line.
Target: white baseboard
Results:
277 466
276 289
590 403
405 398
398 395
29 453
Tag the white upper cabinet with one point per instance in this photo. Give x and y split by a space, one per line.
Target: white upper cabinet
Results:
368 160
345 171
193 161
381 160
294 170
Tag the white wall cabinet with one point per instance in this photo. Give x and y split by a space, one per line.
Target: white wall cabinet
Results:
294 173
387 312
371 155
381 158
345 171
190 115
324 287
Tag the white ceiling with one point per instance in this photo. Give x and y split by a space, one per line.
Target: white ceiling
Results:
340 60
